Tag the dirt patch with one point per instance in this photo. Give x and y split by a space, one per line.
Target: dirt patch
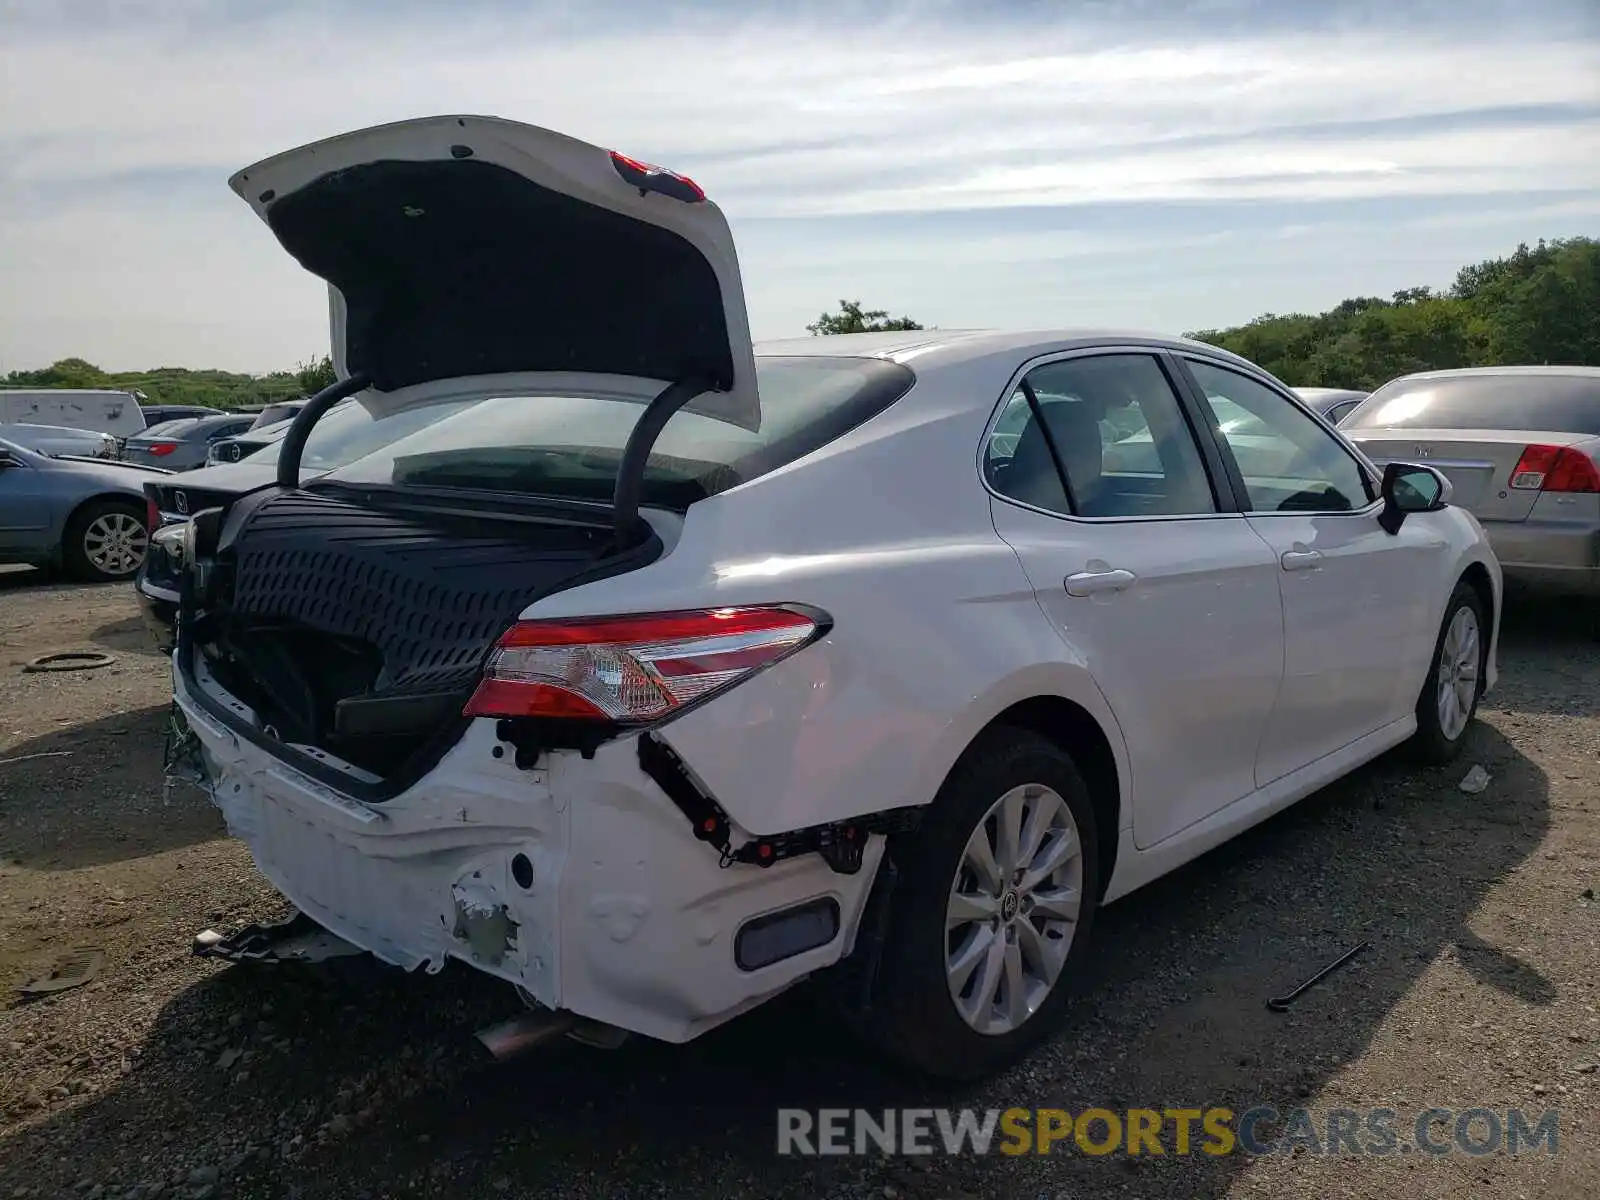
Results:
168 1075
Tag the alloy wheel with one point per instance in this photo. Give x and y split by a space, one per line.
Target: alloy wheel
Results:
1013 909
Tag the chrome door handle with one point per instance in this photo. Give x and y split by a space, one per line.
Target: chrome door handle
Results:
1300 560
1088 583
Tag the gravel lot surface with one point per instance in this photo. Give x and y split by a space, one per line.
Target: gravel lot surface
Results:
171 1076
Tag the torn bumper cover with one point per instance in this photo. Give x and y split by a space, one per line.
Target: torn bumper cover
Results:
578 880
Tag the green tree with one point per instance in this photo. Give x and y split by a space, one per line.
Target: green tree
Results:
66 373
852 319
315 375
1538 305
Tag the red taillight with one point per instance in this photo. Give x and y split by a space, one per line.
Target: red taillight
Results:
161 448
649 178
635 668
1555 469
152 515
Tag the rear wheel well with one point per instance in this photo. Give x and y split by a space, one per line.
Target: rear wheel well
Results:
1074 730
121 499
1476 576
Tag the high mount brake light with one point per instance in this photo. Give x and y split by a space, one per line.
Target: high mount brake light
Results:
635 669
1555 469
649 178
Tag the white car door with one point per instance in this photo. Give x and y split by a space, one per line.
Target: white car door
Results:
1357 602
1170 599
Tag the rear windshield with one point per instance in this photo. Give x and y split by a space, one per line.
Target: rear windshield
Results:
347 431
571 446
1551 403
170 428
274 413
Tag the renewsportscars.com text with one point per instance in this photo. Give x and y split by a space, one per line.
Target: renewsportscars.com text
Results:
1217 1131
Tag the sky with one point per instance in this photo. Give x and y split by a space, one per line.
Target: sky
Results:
1159 165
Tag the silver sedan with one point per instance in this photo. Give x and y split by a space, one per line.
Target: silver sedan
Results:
1521 446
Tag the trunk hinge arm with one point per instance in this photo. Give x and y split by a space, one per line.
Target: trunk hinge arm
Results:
636 454
294 442
840 844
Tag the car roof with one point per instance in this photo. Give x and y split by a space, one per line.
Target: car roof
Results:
949 347
1546 372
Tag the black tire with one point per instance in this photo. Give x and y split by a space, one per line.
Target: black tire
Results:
1431 744
914 1018
76 556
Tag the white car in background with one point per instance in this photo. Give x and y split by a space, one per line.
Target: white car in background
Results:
663 671
59 441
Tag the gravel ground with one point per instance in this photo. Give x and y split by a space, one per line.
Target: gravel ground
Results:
172 1076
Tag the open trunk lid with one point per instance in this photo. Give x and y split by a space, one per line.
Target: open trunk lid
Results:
1479 463
462 246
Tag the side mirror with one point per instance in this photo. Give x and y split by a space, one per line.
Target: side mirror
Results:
1410 489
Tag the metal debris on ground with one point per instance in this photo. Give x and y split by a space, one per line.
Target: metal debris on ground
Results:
1282 1003
296 938
6 762
69 660
72 969
1474 781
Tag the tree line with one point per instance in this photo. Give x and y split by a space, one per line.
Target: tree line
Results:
180 385
1539 304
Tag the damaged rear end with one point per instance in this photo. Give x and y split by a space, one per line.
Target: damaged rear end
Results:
417 761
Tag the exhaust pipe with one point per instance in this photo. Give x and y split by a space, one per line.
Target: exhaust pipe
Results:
511 1038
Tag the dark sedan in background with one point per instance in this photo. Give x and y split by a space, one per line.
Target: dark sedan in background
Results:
160 414
182 445
1333 403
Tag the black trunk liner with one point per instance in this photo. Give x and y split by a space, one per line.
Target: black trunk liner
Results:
331 600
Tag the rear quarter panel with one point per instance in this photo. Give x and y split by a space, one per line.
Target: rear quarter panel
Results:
936 629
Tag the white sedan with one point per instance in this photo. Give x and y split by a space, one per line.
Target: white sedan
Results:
662 671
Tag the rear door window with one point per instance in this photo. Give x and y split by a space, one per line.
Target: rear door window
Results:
1118 431
1526 403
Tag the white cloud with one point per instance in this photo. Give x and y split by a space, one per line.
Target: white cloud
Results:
115 247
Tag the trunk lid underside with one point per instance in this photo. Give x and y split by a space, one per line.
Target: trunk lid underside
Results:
470 246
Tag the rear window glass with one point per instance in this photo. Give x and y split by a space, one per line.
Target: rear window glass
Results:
274 413
347 431
1551 403
571 446
170 428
